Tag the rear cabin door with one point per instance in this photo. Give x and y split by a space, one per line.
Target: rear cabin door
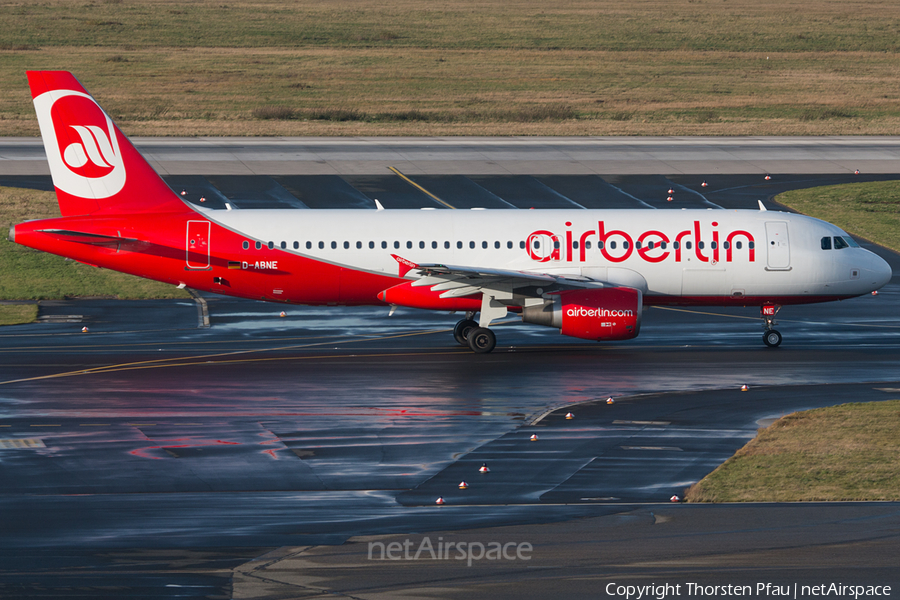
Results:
197 244
778 245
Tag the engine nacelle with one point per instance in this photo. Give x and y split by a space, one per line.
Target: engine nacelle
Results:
598 314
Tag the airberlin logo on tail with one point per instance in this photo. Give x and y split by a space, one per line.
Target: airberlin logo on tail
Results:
81 144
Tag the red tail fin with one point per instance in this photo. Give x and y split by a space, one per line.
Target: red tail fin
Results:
95 168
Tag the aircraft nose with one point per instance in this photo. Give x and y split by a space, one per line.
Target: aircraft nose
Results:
881 270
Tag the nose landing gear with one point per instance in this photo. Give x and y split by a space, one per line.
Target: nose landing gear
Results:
771 336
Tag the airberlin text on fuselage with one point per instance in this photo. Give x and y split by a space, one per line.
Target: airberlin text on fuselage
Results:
652 246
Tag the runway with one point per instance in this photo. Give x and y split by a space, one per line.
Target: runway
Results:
256 457
494 156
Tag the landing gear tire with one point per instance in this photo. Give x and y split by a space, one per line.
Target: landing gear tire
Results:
482 340
463 329
772 338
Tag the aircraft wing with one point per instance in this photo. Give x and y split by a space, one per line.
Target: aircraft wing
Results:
457 281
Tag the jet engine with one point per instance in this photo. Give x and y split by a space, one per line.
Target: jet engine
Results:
594 314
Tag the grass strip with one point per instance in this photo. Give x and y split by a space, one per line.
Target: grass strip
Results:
465 67
15 314
869 210
841 453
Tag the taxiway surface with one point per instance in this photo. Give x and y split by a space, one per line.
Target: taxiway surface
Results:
156 458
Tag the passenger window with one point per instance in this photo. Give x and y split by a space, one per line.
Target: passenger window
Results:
687 245
296 245
599 244
246 245
751 245
726 245
575 245
309 245
459 245
434 245
662 245
421 245
371 245
284 245
409 245
334 245
521 245
384 245
321 245
484 245
509 245
359 245
839 243
446 245
676 245
497 245
649 245
537 244
258 245
396 245
713 245
738 245
625 244
701 245
271 245
587 245
612 245
472 245
556 244
636 244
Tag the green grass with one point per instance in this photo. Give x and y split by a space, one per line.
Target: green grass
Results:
15 314
841 453
870 210
414 67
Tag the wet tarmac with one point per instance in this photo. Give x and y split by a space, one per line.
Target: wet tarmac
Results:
152 457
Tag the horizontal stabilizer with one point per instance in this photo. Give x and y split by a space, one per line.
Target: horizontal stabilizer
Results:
86 237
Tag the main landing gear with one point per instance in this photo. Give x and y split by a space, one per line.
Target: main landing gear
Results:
771 336
467 332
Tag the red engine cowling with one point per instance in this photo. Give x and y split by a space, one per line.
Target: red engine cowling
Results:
600 314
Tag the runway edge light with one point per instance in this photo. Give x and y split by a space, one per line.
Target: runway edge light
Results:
610 400
440 500
484 468
570 416
533 437
463 485
745 388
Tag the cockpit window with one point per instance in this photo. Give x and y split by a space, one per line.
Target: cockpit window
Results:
851 241
826 243
839 243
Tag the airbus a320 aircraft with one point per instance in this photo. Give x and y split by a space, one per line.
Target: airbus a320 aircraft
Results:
588 273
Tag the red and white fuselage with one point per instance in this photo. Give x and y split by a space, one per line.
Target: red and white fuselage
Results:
556 267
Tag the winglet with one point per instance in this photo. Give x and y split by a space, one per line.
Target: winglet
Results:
378 205
762 207
405 265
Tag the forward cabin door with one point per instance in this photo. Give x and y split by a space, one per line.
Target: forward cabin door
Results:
778 246
197 244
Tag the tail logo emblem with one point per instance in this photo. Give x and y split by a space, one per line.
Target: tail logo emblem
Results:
81 144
